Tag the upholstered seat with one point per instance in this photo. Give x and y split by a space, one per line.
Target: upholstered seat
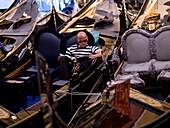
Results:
146 53
136 46
135 80
160 65
141 68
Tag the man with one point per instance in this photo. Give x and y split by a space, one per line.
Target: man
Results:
82 49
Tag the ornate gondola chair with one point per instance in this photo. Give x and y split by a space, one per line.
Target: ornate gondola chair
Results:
50 43
146 53
47 42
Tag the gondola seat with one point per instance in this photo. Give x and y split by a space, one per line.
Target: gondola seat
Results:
68 40
50 44
146 53
135 80
47 42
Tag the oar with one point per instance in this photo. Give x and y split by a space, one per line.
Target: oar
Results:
77 18
7 13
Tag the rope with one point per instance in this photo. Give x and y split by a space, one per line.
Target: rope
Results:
79 93
83 103
125 10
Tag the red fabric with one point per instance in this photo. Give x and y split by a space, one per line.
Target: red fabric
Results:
122 103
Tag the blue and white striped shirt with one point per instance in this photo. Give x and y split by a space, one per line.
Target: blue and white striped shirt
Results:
74 51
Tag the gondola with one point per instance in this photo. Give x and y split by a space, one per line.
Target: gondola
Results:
54 22
80 83
103 113
52 19
148 31
137 61
147 88
10 76
19 61
19 52
15 41
148 76
59 20
15 36
147 79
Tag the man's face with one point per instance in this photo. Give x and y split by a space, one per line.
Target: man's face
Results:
82 40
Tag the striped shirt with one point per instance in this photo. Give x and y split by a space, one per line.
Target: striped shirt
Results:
74 51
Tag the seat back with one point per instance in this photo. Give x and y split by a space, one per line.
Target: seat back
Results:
47 42
141 46
162 43
136 46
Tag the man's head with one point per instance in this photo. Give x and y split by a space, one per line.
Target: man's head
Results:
82 39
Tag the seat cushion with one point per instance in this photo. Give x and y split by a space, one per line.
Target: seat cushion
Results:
135 80
141 68
35 69
160 65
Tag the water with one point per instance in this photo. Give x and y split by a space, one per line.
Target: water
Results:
62 5
5 3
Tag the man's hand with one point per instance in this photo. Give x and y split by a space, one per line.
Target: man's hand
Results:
92 56
60 55
97 54
59 58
